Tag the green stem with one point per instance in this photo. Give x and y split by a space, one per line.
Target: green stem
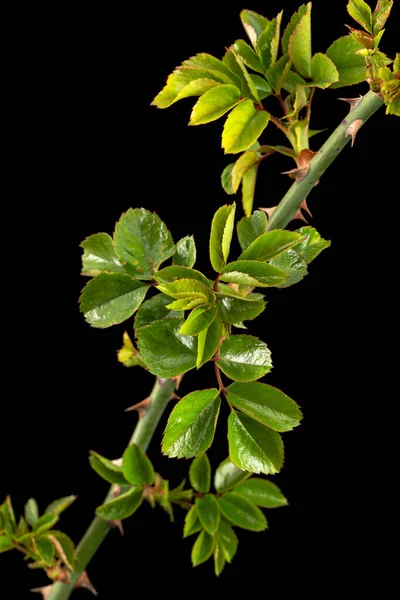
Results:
98 529
299 191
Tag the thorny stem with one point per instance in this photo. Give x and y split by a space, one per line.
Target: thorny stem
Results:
299 191
99 528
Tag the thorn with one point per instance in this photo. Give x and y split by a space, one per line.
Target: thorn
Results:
84 582
299 215
304 206
175 396
141 407
298 174
354 102
45 591
178 380
352 130
117 524
269 211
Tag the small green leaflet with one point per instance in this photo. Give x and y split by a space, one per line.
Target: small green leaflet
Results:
206 61
58 506
165 351
244 358
243 127
122 506
248 56
261 493
219 557
351 66
252 446
228 476
254 24
361 12
214 103
221 236
209 513
235 310
300 44
248 189
45 523
45 549
99 256
174 272
250 228
192 522
185 255
31 512
154 310
268 43
312 244
142 242
292 263
381 15
107 469
65 548
187 289
191 425
198 320
202 549
197 87
110 299
253 273
200 474
208 342
6 543
294 21
270 244
228 540
241 512
323 71
136 466
226 179
277 74
241 167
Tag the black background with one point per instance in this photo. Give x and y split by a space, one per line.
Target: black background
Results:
85 146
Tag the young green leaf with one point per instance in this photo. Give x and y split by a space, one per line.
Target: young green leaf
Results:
154 310
254 24
261 493
265 404
248 56
248 188
198 320
191 425
268 42
270 244
228 539
110 299
64 547
187 289
228 476
299 47
253 273
277 74
323 71
381 15
247 87
202 549
244 358
197 87
226 179
31 512
99 256
107 469
292 263
241 512
192 523
294 21
214 103
262 86
45 523
45 549
221 236
122 506
252 446
58 506
312 244
208 342
174 272
351 66
243 127
22 528
200 474
128 355
165 351
235 310
219 557
8 517
6 543
187 304
241 167
361 12
250 228
185 255
206 61
136 466
209 513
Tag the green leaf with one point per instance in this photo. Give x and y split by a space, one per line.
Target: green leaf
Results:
187 304
142 242
191 425
202 549
219 557
250 228
361 12
8 521
58 506
293 265
323 71
121 507
45 549
209 513
228 540
226 179
276 75
241 166
197 87
236 65
111 299
221 236
206 61
253 273
165 351
299 47
226 290
107 469
312 244
187 289
265 404
244 358
252 446
270 244
241 512
208 342
381 15
31 511
396 64
198 320
261 493
248 56
254 24
5 543
248 189
294 21
136 466
65 549
262 86
128 355
393 108
192 523
22 528
185 255
200 474
154 310
243 127
214 103
351 66
174 272
45 523
234 310
268 42
292 82
228 476
99 256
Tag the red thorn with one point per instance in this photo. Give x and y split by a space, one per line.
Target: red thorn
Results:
84 582
304 206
